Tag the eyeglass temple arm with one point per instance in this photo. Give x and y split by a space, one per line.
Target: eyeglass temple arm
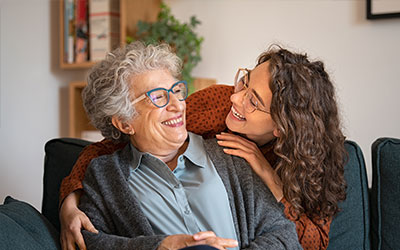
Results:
139 99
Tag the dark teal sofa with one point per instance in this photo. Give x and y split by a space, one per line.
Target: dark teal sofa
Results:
22 227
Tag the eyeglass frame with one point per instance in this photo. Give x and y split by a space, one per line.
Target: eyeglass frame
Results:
147 94
246 88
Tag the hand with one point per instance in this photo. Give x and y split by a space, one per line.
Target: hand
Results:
179 241
248 150
72 220
209 238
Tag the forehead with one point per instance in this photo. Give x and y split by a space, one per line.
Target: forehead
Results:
144 82
259 81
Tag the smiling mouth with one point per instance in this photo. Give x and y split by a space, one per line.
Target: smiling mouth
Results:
236 114
174 122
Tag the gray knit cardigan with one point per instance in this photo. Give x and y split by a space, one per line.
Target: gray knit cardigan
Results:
113 209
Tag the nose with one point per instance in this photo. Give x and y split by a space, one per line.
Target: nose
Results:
174 103
237 98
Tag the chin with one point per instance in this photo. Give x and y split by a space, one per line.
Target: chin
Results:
181 137
232 126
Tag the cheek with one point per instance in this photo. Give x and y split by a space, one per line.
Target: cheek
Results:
261 124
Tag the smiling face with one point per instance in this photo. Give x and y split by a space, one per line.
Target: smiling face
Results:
159 131
258 126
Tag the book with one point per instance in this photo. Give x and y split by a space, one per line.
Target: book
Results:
69 30
104 27
82 31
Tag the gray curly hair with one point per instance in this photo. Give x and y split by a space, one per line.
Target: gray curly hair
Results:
108 91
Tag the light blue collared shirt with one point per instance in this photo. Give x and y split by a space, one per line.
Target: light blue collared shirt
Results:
189 199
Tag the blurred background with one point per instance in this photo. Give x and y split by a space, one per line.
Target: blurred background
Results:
362 57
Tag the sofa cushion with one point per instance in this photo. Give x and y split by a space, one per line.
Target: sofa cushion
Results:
23 227
350 227
60 156
385 193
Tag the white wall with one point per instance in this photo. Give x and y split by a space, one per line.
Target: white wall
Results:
33 94
360 55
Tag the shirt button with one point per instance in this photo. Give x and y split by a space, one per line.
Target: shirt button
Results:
177 186
180 158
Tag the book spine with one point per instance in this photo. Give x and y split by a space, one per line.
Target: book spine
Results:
82 29
70 17
104 27
66 31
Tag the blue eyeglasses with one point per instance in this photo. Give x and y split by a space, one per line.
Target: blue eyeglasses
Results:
160 96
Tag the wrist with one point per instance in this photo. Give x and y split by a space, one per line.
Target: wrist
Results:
274 183
72 199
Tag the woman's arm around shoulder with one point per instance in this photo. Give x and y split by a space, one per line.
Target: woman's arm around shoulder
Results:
206 110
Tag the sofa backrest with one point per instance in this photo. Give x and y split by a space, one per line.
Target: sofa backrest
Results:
60 156
385 194
350 227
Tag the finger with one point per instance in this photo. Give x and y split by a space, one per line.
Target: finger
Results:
78 238
63 243
235 145
233 137
70 244
87 224
239 140
203 235
237 152
223 242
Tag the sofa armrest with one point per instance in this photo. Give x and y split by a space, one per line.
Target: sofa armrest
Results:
22 227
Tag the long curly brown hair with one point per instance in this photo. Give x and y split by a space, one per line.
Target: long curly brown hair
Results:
311 144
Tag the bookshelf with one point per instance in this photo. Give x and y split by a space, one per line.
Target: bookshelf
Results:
131 11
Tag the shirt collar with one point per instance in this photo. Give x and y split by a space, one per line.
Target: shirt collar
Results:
195 151
137 157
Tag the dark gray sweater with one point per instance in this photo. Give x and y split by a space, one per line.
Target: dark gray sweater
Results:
113 209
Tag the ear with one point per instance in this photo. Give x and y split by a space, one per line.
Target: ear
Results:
276 132
124 127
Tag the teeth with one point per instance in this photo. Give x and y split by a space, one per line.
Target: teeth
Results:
173 122
237 115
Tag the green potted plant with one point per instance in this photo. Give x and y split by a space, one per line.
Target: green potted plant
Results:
180 36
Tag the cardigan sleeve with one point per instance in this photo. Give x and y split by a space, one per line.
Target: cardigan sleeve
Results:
313 233
74 180
116 229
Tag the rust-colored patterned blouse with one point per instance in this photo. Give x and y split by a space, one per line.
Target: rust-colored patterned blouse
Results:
206 112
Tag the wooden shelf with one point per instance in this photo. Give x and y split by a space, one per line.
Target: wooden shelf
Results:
78 120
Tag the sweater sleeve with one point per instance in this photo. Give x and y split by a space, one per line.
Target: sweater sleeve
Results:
272 230
74 180
116 229
313 233
206 110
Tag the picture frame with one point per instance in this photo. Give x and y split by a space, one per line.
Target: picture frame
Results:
379 9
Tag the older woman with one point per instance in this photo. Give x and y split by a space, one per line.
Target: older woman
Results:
166 184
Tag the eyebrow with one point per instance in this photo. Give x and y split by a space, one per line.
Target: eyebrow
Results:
258 97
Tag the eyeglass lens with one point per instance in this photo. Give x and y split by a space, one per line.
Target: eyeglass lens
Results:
241 79
160 96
